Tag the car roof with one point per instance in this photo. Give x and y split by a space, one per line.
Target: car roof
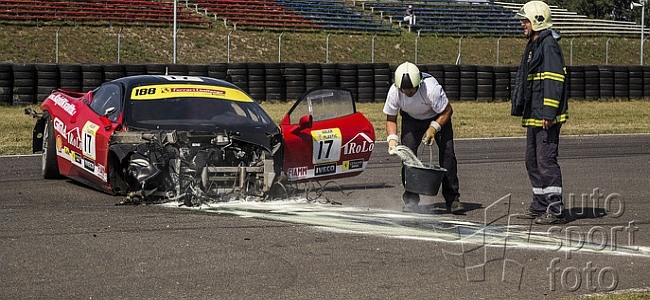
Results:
138 80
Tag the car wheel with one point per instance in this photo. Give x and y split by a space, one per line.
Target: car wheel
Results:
49 164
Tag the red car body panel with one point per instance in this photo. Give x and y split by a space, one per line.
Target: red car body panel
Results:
338 145
81 140
330 149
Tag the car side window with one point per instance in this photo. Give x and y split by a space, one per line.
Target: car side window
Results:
105 97
324 104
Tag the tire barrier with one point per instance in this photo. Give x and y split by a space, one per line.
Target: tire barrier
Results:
313 76
451 82
576 77
71 77
47 80
6 84
294 78
501 83
219 71
382 81
92 76
112 72
256 81
635 82
23 84
485 83
348 77
274 85
592 83
365 83
467 83
606 79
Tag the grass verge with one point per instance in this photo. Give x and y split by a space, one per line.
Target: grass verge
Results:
471 120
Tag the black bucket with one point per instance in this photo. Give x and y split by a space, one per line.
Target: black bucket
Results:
424 180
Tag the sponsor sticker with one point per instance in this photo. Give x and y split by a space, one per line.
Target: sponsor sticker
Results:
89 139
298 172
76 157
360 143
164 91
89 165
352 164
63 102
59 143
325 169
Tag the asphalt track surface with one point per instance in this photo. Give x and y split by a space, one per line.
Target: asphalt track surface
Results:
61 240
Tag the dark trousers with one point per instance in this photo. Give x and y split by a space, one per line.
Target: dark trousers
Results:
412 132
543 170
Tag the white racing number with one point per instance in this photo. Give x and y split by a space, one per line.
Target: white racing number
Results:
326 145
182 78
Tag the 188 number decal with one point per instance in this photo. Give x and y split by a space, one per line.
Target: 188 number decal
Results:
145 91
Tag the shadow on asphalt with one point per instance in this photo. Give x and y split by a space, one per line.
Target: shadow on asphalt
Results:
577 213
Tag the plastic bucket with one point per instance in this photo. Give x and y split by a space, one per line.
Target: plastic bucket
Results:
424 180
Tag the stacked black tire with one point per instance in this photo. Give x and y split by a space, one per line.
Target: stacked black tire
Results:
274 86
25 84
6 84
256 81
48 79
502 83
294 76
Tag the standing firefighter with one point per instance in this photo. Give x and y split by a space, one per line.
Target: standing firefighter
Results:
540 98
426 116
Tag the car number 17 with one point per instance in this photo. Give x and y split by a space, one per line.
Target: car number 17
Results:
326 145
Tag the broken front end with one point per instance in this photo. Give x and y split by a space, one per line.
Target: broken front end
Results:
193 167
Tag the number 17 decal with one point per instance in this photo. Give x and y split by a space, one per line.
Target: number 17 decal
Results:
326 145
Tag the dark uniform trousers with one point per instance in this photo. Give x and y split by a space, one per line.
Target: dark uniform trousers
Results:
412 132
543 170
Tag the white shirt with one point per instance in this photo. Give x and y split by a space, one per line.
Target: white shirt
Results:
428 101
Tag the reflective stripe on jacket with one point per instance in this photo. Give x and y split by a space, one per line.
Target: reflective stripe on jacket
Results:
540 89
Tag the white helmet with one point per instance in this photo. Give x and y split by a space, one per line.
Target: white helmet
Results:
407 75
538 13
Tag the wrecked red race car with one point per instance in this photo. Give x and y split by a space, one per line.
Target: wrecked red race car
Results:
158 138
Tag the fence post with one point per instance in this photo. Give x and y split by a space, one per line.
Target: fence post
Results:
607 51
417 39
373 49
571 55
498 44
280 46
327 48
175 29
460 43
56 41
119 43
229 32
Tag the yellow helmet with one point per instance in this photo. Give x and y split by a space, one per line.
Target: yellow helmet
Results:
538 13
407 75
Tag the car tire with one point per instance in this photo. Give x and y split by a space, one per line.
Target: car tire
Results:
49 164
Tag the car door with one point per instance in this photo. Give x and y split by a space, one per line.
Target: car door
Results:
101 119
325 137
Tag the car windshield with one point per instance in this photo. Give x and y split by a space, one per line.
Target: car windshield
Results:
196 109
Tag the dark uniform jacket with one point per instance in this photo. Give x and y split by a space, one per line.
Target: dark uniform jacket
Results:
540 90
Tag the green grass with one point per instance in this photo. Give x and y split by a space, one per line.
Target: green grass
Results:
621 296
140 45
471 120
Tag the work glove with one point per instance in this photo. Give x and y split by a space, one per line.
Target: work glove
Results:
429 136
392 143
